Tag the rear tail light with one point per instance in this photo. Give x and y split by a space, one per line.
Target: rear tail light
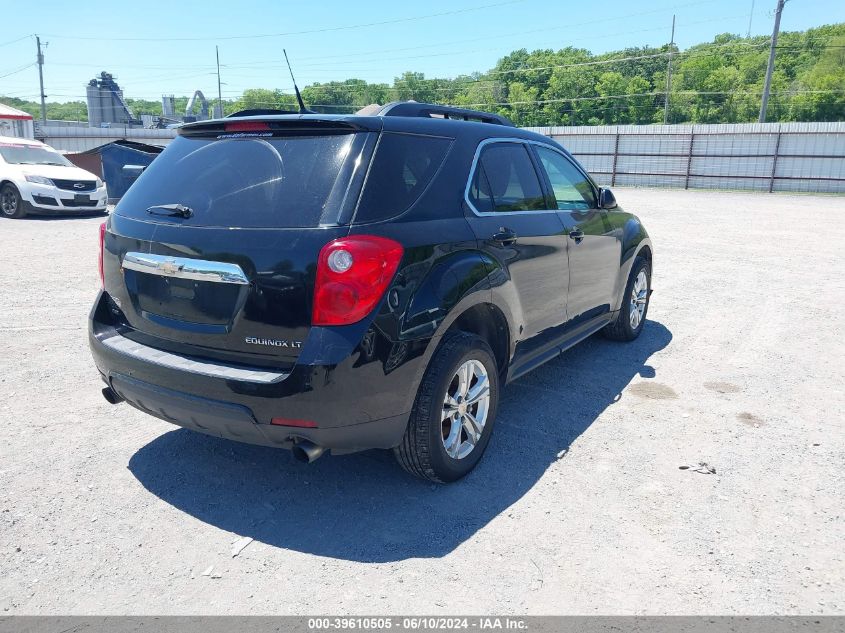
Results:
100 262
352 276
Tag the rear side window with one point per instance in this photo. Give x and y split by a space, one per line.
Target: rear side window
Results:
291 181
505 180
402 168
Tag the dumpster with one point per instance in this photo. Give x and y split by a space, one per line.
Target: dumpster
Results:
113 157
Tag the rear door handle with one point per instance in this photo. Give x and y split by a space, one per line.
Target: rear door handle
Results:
504 236
577 235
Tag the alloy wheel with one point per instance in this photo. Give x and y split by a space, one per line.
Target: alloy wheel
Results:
639 299
465 409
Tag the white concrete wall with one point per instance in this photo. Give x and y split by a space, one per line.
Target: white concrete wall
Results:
80 139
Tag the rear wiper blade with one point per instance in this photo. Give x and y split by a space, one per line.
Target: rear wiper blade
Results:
175 210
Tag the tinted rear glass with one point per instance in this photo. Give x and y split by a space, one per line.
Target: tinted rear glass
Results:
295 181
403 166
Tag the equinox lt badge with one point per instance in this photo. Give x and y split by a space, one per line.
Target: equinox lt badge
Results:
252 340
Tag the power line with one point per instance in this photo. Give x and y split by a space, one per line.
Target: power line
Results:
291 33
500 36
20 39
485 78
270 63
337 85
688 93
460 83
18 69
332 65
468 80
650 94
594 98
457 83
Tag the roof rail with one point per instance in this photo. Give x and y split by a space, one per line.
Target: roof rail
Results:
430 110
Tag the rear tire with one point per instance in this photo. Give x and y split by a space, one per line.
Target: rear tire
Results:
11 205
454 412
634 308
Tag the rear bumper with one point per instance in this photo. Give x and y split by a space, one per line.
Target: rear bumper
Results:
357 402
236 422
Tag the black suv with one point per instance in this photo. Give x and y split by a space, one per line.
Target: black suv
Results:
349 282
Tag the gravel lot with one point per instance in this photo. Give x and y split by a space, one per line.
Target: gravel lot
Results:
579 507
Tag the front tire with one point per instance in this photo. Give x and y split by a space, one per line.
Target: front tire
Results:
11 205
632 313
453 415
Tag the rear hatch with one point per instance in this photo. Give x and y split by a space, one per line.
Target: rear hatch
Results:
213 250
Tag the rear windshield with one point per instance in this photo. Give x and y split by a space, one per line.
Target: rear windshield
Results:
295 181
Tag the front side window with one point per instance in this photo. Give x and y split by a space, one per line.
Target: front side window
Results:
505 180
571 188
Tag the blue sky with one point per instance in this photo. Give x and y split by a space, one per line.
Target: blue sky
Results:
146 46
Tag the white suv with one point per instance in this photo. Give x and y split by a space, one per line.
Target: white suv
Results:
35 178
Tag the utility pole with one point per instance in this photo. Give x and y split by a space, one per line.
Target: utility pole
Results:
750 18
41 81
219 91
770 68
669 75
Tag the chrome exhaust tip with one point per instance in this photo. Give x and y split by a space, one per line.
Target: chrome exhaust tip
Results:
307 452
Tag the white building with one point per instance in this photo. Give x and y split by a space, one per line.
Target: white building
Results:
14 122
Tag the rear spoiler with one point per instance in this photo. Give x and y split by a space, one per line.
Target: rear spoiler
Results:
281 125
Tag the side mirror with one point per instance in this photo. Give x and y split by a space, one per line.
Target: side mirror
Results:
606 199
131 172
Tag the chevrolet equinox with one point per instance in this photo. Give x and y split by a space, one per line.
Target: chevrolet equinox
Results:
347 282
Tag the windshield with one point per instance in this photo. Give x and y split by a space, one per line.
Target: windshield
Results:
20 154
293 181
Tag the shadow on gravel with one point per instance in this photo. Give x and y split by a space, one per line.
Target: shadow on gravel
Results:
363 507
